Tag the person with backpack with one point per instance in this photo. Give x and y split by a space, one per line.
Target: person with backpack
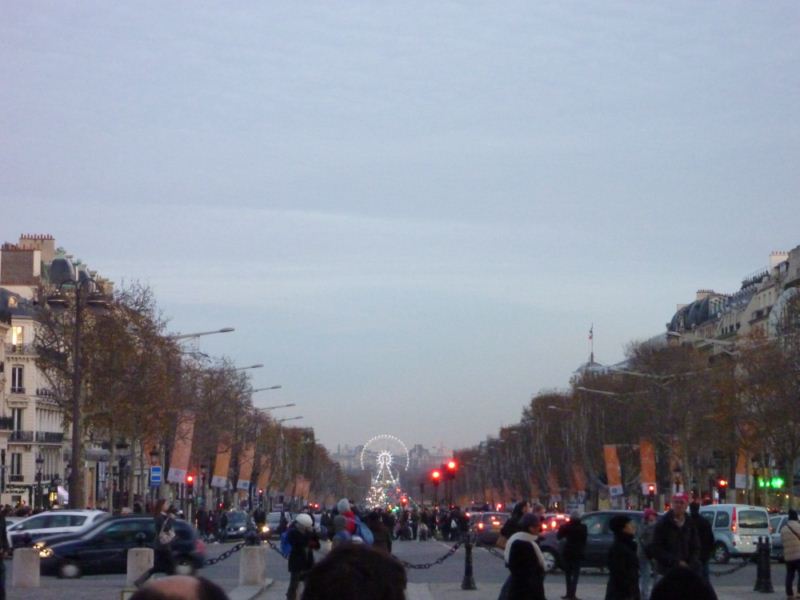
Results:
790 536
302 541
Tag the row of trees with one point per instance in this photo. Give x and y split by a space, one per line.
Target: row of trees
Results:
702 409
137 381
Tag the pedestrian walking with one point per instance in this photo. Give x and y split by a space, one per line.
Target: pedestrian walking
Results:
573 534
623 562
512 525
303 542
382 535
644 549
705 535
340 533
525 563
165 533
675 541
790 536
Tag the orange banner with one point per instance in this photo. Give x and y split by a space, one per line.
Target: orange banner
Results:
647 454
264 473
578 478
741 470
182 449
222 464
613 471
246 460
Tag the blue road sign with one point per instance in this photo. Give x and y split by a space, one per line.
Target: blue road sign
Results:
155 475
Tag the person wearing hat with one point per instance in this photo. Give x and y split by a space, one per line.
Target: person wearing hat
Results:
574 534
675 539
303 541
644 540
525 562
790 536
623 562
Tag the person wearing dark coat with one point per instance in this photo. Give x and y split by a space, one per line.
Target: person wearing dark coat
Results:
705 535
525 563
623 561
162 551
511 526
574 534
303 541
675 539
381 534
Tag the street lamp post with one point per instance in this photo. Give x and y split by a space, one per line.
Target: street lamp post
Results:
85 295
39 463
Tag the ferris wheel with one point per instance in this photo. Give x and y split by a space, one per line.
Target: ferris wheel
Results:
384 454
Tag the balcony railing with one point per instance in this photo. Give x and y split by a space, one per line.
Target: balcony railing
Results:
16 478
49 437
21 436
20 349
17 390
6 423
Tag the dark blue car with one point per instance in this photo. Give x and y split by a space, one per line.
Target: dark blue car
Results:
104 549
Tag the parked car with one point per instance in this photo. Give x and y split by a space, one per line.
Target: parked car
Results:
598 541
776 523
52 522
486 526
239 523
104 548
737 528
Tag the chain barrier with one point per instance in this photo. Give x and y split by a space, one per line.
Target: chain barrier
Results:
277 549
225 555
438 561
738 567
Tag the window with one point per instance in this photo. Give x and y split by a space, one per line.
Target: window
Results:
34 523
723 520
16 463
753 519
59 521
17 337
16 417
125 532
595 524
76 520
17 380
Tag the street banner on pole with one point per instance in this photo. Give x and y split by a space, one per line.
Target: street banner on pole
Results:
578 478
246 466
647 454
741 470
264 472
182 449
222 464
613 471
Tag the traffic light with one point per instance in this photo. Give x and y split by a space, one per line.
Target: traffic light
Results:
451 467
190 485
722 484
436 477
404 500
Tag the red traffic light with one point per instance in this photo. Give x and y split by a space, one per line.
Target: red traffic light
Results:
651 489
190 479
436 475
723 483
452 465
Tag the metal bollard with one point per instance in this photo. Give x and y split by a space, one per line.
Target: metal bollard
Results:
468 583
763 568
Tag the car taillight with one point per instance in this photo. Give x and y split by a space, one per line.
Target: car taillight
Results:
199 546
733 520
544 526
480 525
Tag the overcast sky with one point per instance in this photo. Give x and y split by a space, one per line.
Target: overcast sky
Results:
412 212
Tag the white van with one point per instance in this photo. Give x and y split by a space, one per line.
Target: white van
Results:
737 528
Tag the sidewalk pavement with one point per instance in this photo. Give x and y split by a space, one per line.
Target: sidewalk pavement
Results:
490 591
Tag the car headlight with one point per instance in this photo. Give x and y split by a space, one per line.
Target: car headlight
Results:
264 529
45 552
242 528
